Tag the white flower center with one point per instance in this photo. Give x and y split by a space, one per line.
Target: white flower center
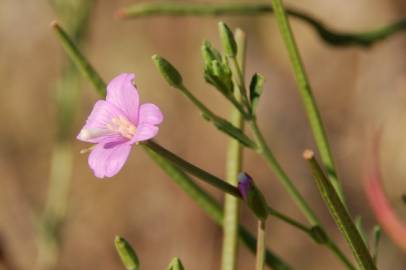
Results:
123 126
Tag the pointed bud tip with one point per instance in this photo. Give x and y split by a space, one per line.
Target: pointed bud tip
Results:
118 239
308 154
244 184
53 24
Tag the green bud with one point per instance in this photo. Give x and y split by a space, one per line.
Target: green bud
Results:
167 70
227 39
126 253
252 196
209 53
256 88
176 264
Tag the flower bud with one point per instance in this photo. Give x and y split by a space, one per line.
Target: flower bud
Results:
252 196
126 253
176 264
167 70
209 53
256 86
227 39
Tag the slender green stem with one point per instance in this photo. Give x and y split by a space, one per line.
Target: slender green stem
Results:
305 91
330 36
289 220
282 176
340 214
78 59
192 169
261 235
233 168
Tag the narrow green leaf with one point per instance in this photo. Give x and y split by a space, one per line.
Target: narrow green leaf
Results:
256 88
227 39
340 214
192 169
168 71
127 254
176 264
234 132
78 59
358 223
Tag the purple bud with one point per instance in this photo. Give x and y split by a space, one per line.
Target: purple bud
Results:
244 184
252 196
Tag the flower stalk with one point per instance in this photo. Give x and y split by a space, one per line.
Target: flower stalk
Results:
261 235
233 167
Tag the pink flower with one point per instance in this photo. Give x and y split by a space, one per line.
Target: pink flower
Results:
115 124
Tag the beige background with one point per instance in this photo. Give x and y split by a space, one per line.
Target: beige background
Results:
355 89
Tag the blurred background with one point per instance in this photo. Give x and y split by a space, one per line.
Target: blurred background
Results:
355 88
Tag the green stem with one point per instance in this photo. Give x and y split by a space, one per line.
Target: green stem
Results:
305 91
233 168
192 169
260 262
340 214
330 36
289 220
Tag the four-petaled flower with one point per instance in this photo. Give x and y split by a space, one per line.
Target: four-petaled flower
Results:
115 124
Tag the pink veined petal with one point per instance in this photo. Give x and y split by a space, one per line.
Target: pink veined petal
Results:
122 93
107 159
150 114
382 208
144 132
101 115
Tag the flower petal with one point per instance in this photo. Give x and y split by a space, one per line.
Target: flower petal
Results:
122 93
150 114
101 115
107 159
144 132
